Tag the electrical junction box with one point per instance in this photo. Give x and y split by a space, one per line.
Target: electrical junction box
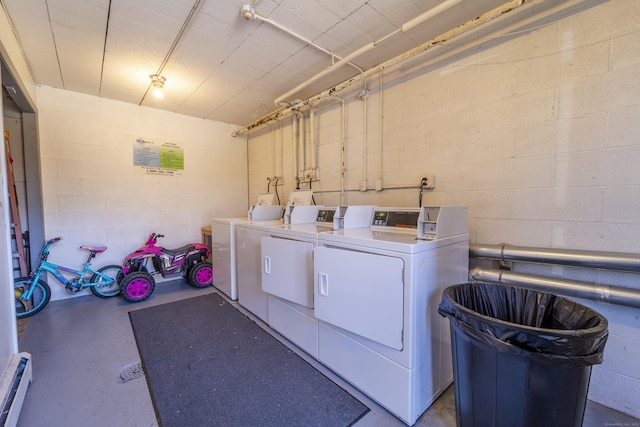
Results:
311 174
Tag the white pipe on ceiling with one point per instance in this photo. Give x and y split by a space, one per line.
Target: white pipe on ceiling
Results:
347 59
248 12
280 114
429 14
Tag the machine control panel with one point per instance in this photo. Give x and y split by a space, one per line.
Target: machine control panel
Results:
438 222
325 215
396 218
355 216
265 208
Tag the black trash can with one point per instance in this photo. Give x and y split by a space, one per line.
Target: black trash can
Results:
520 357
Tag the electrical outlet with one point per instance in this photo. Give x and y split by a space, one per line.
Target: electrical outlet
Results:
428 182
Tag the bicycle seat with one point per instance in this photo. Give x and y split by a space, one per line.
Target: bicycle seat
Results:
177 251
96 249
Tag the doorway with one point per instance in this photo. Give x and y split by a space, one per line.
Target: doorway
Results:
20 126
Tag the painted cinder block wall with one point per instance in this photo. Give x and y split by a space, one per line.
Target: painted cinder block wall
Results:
93 194
531 121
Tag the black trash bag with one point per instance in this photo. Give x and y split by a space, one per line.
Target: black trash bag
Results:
528 323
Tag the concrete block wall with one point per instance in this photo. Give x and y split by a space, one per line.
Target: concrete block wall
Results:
530 120
93 194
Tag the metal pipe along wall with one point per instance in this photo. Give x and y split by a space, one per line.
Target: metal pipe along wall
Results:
614 261
593 291
592 259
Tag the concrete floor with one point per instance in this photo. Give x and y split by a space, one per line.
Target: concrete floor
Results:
81 346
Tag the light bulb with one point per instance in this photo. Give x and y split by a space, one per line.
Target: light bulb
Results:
157 82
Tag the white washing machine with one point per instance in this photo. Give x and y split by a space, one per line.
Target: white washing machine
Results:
223 258
250 293
376 295
223 245
287 272
248 235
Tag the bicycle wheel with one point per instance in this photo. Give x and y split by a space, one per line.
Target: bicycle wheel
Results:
39 298
103 290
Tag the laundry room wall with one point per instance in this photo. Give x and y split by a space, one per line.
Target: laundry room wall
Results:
530 120
93 193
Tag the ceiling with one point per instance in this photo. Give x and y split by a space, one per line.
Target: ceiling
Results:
217 64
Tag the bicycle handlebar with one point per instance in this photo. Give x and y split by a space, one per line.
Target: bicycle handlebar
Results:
54 240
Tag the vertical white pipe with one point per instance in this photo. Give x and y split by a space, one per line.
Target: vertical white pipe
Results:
312 137
273 152
364 185
342 147
303 145
343 168
281 150
294 122
381 120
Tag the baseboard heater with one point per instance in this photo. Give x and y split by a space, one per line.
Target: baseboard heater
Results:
13 388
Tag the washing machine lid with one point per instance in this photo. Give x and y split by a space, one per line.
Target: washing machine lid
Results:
305 231
229 221
260 225
370 239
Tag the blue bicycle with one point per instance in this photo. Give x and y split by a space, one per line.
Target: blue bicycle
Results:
32 294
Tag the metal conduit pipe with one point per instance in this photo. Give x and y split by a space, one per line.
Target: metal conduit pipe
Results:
592 259
593 291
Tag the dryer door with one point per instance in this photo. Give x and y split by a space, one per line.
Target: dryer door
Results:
287 269
360 292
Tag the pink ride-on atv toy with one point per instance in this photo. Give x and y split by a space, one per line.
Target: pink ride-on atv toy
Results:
190 260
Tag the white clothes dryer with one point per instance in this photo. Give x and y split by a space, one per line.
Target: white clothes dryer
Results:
287 278
223 246
287 272
376 296
250 294
223 255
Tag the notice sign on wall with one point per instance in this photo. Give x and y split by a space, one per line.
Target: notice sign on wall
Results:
165 158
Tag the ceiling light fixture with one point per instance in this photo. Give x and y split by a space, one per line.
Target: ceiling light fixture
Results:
157 82
248 12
